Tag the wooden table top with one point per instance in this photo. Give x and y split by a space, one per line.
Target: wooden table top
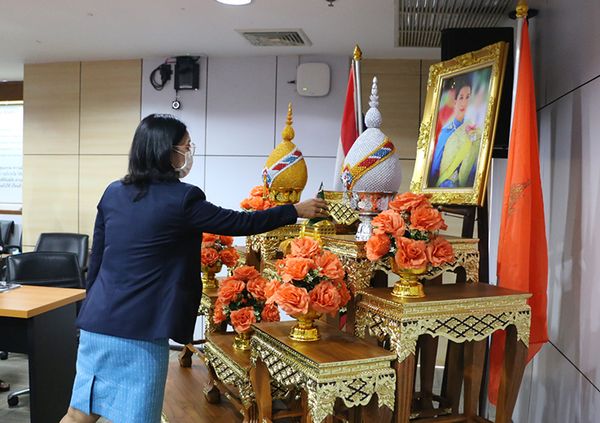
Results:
29 301
224 342
334 346
449 292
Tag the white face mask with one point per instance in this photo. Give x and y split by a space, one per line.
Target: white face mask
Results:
184 170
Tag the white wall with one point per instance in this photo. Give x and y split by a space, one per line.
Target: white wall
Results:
562 383
237 116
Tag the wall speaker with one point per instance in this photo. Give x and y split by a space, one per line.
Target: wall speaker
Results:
457 41
313 79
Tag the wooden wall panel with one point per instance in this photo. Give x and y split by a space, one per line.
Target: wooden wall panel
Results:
95 173
399 92
110 105
51 108
50 192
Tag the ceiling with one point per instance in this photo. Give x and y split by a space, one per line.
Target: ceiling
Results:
62 30
36 31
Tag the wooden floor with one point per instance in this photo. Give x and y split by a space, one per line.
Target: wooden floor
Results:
184 398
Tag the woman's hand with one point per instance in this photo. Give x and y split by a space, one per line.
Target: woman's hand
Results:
312 208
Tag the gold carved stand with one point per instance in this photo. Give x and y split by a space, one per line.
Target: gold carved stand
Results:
462 313
337 367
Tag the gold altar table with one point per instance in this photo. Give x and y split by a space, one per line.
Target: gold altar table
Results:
462 313
338 366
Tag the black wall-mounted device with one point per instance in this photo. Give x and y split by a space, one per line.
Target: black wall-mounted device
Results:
187 73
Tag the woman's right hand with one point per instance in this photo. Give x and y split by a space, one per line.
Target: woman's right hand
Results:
312 208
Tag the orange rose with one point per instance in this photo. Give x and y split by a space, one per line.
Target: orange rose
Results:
305 247
271 287
229 289
439 251
296 268
258 191
229 257
218 313
377 246
410 254
345 295
258 203
256 287
426 218
226 240
245 204
209 256
245 273
409 201
291 299
329 265
242 319
209 238
389 222
325 298
270 313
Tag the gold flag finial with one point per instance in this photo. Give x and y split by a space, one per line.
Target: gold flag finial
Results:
357 55
288 132
522 9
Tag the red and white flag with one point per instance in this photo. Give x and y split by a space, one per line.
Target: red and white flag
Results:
348 132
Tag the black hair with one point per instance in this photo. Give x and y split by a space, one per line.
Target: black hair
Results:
460 82
150 154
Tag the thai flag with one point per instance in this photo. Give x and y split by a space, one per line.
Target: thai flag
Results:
348 132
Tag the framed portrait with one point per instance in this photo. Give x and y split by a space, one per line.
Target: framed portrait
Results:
457 131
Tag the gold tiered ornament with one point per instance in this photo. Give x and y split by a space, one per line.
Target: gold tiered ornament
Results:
285 173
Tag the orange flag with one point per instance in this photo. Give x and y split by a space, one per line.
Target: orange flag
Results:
522 250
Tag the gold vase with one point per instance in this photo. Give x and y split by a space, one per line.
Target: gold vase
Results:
305 330
241 341
208 276
408 286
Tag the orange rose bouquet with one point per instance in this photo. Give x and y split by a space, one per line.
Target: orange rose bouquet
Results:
408 235
310 281
241 300
257 200
218 250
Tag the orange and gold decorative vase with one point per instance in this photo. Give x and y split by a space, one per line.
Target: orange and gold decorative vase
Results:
241 341
305 330
408 286
209 281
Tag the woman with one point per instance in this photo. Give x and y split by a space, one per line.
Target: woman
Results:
144 274
456 150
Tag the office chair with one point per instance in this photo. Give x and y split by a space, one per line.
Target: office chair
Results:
67 243
6 231
54 269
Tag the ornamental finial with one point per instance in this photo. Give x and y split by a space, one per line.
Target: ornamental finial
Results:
288 132
357 55
373 116
522 9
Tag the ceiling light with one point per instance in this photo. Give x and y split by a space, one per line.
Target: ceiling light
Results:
235 2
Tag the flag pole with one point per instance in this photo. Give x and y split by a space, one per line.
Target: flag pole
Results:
357 57
521 13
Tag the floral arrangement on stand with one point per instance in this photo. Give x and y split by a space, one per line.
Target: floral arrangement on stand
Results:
216 251
310 282
257 200
241 302
407 237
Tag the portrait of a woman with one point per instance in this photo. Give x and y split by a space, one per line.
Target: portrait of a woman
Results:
456 151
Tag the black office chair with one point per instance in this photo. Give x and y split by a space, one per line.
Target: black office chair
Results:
7 228
54 269
68 243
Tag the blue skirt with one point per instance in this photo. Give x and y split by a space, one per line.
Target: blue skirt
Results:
120 379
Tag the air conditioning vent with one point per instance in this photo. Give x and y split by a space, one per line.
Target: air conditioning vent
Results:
420 22
276 37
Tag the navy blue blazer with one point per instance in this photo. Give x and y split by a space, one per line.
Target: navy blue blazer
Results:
144 271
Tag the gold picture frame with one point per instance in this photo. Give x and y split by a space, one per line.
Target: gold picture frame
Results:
454 147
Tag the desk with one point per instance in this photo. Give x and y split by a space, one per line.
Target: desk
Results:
40 322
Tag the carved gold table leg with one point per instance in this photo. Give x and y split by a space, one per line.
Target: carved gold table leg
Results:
515 360
405 378
211 391
473 372
261 382
185 357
